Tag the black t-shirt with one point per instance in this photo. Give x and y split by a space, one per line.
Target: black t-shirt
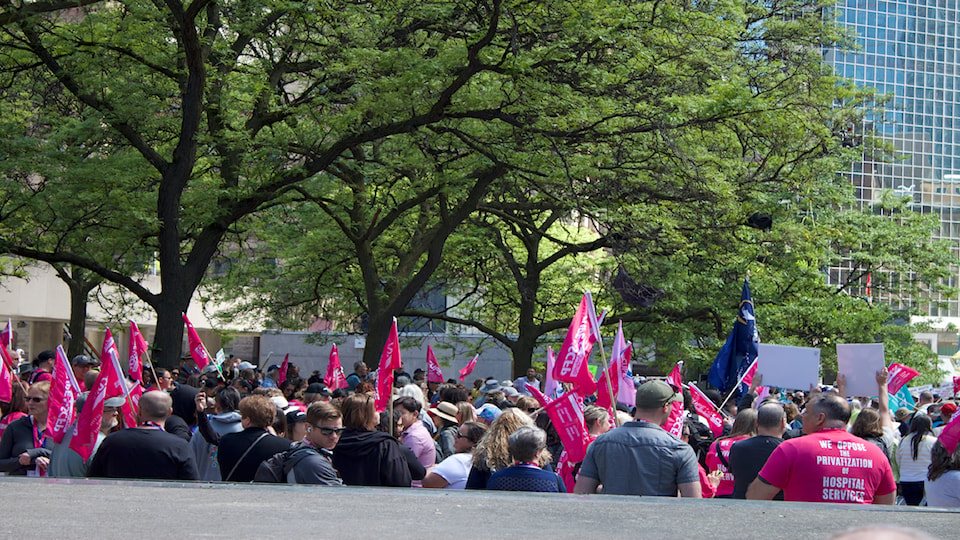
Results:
144 453
234 445
747 457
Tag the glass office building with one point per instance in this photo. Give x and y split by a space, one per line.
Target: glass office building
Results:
908 49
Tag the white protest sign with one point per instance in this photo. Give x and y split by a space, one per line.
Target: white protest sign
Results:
859 363
796 368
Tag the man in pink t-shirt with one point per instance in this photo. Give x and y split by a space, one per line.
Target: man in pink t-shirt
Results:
827 464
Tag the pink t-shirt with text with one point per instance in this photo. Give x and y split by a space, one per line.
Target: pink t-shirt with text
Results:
829 466
714 463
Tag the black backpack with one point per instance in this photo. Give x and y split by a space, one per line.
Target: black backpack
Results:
277 469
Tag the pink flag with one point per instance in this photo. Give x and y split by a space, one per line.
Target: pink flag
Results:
674 423
751 371
283 370
109 384
566 413
131 405
197 351
628 392
956 386
706 409
6 383
612 376
335 378
950 435
571 365
468 369
6 337
899 375
389 361
550 385
137 348
60 401
433 367
538 395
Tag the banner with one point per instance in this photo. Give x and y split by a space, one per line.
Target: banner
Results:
468 369
197 351
706 409
283 370
740 348
899 375
566 413
434 375
389 361
335 378
137 348
609 383
674 423
109 384
571 362
64 390
541 398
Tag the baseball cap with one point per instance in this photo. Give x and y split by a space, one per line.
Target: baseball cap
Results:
83 360
654 394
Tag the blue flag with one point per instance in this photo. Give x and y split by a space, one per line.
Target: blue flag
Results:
740 350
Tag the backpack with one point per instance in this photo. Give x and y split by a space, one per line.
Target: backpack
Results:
278 469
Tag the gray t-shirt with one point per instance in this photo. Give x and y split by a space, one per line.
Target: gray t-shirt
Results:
944 492
640 458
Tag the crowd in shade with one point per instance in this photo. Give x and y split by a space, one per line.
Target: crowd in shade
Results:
236 423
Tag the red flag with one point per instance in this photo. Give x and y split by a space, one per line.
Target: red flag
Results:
571 365
566 413
335 378
6 337
131 405
674 423
748 376
950 436
109 384
283 370
538 395
706 409
899 375
6 383
138 346
64 390
468 369
433 367
197 351
389 361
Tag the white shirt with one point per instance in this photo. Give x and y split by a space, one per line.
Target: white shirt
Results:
455 470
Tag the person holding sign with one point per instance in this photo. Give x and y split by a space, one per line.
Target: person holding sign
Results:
827 465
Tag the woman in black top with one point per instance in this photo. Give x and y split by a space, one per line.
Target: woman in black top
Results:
364 456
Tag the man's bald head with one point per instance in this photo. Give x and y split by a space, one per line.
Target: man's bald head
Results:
155 406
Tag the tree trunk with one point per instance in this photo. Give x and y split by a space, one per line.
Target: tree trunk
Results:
168 340
377 332
78 318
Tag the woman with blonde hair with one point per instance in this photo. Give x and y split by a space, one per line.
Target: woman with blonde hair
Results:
492 453
466 413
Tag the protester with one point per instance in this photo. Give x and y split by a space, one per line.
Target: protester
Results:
913 458
43 367
15 409
942 485
466 412
394 427
708 482
316 392
310 461
359 375
827 464
146 451
65 462
415 434
748 456
445 417
225 419
241 453
530 378
597 422
23 451
364 456
640 458
81 365
492 454
452 472
184 417
744 427
527 446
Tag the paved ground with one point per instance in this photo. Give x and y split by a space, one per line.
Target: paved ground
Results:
47 509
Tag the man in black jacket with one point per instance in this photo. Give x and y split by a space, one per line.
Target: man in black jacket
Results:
241 453
313 463
147 451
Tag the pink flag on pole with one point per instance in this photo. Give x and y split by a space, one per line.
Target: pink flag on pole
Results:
956 386
109 384
197 351
571 365
335 378
706 409
628 392
899 375
550 385
566 413
6 338
433 367
674 423
132 405
6 383
389 361
613 374
950 436
283 370
541 398
64 390
748 376
468 369
137 348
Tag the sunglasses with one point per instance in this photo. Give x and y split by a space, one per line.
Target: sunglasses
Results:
330 430
531 409
36 399
462 436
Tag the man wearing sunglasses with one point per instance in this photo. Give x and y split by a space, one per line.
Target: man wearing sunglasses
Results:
310 460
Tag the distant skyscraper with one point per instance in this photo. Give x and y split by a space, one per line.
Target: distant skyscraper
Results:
909 50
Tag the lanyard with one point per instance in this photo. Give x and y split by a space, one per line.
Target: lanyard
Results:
39 439
152 425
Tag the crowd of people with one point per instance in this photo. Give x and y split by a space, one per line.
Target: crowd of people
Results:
236 424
